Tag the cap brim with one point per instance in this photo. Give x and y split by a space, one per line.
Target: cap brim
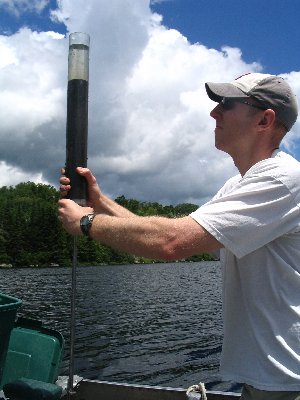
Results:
216 91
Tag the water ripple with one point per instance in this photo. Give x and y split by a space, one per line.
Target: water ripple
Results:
154 324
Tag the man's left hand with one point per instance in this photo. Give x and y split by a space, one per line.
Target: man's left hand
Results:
70 214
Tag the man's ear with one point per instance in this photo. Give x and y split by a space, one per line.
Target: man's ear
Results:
267 119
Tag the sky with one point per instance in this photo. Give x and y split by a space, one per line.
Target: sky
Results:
150 134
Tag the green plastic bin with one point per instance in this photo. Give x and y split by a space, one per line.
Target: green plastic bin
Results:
8 311
34 352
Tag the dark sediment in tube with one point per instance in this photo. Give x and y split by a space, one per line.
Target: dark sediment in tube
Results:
77 114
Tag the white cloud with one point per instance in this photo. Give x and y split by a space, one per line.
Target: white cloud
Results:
150 133
11 176
18 7
294 135
32 99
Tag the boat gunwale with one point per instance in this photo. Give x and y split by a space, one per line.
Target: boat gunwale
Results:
211 394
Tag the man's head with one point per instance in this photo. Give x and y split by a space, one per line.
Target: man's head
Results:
268 91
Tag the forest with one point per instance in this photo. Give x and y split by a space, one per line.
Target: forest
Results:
32 236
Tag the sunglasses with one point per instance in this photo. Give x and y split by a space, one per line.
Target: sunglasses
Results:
228 103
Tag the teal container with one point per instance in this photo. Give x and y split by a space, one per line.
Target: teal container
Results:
8 311
34 352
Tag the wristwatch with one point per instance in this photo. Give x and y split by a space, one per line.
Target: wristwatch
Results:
86 223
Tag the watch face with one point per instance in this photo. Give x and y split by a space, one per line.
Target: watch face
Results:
85 220
86 223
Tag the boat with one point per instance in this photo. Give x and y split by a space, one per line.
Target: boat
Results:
95 390
30 359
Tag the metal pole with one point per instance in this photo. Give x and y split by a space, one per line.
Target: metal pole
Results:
76 152
73 320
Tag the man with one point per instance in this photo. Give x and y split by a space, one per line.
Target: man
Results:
255 222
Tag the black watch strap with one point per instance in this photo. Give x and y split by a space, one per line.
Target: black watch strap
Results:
86 223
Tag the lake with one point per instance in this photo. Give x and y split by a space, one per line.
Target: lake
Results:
154 324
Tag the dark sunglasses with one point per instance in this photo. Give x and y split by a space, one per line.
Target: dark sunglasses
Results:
228 103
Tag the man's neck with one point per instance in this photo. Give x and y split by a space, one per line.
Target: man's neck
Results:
245 162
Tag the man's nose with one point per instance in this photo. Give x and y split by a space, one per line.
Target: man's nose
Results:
215 112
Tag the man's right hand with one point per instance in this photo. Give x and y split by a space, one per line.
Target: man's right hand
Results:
94 193
100 203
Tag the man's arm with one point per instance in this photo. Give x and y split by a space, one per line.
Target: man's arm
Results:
152 237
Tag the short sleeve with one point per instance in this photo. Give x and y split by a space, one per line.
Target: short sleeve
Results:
251 214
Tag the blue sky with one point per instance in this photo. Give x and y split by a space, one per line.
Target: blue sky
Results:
150 133
265 30
15 15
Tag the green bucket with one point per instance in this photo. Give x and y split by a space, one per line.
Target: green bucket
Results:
8 311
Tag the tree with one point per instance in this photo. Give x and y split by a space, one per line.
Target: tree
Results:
31 234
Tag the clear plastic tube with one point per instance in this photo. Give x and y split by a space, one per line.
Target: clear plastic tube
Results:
77 114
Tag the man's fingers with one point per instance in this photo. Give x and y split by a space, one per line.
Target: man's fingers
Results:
86 172
64 180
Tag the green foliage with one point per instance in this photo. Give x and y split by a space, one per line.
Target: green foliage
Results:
31 234
147 209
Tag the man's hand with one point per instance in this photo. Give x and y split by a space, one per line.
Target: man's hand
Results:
70 215
100 203
94 193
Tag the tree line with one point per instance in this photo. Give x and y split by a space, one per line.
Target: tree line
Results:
32 235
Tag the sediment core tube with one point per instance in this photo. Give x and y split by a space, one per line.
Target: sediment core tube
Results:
77 114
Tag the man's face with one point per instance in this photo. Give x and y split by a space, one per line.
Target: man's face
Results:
234 127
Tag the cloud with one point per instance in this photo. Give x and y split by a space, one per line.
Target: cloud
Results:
18 7
32 100
293 137
11 176
150 133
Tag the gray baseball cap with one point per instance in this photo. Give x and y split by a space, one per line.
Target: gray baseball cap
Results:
269 90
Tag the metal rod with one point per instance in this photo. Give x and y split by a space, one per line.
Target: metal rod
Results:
73 319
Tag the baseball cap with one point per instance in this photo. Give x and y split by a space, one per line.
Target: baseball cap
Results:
269 90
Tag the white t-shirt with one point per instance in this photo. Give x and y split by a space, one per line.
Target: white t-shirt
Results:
257 219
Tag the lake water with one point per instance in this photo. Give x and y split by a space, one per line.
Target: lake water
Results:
158 324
